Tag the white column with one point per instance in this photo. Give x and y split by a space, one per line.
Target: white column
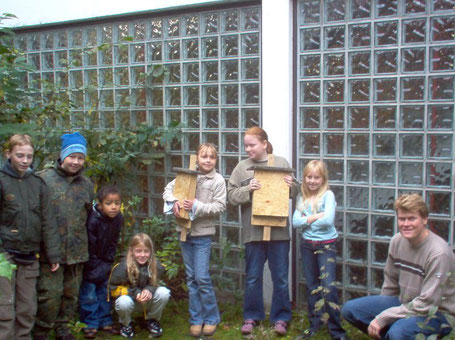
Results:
277 75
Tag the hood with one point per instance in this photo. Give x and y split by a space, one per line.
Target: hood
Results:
10 171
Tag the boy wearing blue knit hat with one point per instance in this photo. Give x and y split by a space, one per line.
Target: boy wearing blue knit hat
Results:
72 195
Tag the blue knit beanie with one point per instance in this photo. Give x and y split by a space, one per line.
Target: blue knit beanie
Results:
73 143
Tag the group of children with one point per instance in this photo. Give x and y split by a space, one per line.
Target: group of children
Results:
65 246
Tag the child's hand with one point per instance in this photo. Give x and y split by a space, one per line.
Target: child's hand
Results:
55 266
176 209
144 296
254 185
289 180
188 204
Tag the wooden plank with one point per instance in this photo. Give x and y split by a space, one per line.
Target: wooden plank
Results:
271 221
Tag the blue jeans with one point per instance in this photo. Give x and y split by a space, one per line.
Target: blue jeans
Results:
277 254
319 268
360 312
95 310
202 301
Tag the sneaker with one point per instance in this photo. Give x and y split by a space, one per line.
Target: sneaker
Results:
209 330
195 331
127 331
154 328
248 326
281 327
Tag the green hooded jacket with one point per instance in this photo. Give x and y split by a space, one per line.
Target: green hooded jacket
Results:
71 201
26 221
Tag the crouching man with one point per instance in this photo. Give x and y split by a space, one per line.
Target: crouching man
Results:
419 282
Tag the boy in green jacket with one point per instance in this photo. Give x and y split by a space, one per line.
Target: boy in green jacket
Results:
26 224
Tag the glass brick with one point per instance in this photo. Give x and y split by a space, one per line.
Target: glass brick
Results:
62 40
412 88
310 11
334 91
359 117
442 58
360 9
76 80
334 37
440 117
442 5
155 51
250 118
358 144
334 117
106 56
380 252
49 40
334 10
309 117
360 35
440 228
377 278
173 116
442 29
121 76
210 119
75 58
191 25
385 89
250 69
211 138
414 31
210 23
310 65
106 34
335 168
359 63
173 27
251 18
191 95
309 144
230 70
230 45
334 64
191 48
122 31
91 78
48 61
411 145
386 61
210 47
339 194
333 144
310 92
384 145
357 224
139 97
122 98
156 118
310 39
123 119
230 21
230 118
386 33
439 174
440 146
386 8
410 174
173 96
108 120
358 172
191 72
62 79
173 50
339 226
106 77
173 73
413 59
156 28
75 38
411 117
90 57
230 94
121 54
438 202
191 141
191 119
383 199
230 142
384 117
156 96
250 44
359 90
250 94
357 251
210 71
382 226
441 88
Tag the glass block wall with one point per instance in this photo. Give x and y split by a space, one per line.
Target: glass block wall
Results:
211 84
376 102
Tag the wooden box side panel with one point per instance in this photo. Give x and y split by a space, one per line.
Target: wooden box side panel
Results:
269 221
273 197
185 188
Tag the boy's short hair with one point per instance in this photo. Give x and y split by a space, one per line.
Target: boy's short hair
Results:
411 202
18 139
106 190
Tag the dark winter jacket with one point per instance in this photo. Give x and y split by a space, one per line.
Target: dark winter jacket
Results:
119 283
26 221
71 200
103 234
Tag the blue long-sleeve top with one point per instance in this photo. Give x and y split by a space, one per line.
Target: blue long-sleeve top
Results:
322 229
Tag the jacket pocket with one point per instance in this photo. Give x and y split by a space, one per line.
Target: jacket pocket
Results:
32 271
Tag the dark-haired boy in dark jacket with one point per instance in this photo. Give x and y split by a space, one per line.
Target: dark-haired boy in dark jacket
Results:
103 228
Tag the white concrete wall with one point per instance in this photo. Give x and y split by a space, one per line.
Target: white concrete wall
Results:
277 91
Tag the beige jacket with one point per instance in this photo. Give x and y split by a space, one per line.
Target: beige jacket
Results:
210 202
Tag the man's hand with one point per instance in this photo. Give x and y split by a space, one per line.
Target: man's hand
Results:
374 329
55 266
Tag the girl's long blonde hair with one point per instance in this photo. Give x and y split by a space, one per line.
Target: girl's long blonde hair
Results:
131 265
321 169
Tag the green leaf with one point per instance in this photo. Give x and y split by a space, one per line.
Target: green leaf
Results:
319 304
6 268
